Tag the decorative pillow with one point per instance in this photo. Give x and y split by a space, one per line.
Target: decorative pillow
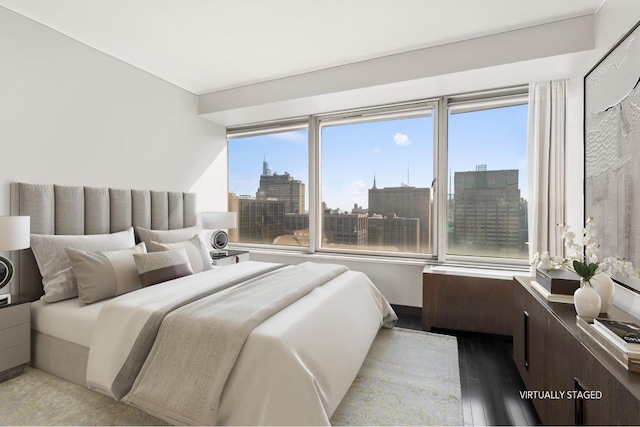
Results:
157 267
166 236
197 252
55 266
106 274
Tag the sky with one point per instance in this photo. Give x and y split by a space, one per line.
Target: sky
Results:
397 152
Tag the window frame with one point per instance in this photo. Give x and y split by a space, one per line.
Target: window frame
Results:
270 128
421 108
466 103
440 106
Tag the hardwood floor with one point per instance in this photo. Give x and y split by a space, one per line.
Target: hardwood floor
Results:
489 378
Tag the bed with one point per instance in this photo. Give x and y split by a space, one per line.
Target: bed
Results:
293 368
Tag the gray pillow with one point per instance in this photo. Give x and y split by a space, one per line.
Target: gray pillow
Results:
166 236
106 274
197 252
55 266
157 267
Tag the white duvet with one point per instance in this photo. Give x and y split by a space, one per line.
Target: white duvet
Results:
294 368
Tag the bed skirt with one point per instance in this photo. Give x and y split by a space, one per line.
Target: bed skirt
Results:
61 358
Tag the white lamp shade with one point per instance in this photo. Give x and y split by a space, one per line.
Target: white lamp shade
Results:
218 220
14 232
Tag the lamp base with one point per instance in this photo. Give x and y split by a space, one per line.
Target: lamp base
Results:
6 271
219 240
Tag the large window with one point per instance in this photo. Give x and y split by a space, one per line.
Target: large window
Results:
443 178
268 186
376 175
487 176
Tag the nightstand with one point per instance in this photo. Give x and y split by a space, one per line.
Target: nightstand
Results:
15 335
219 259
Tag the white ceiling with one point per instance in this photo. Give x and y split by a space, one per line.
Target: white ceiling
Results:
209 45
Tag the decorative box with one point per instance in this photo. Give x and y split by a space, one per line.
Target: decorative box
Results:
561 281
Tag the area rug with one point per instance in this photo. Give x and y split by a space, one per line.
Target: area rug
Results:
408 378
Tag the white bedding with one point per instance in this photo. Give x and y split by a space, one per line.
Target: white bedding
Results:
66 320
294 368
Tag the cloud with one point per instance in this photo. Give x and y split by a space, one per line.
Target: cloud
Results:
377 149
401 139
358 193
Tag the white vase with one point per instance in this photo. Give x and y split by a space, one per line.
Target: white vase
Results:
605 287
586 301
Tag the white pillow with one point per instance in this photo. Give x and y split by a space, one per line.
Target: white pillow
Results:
197 252
55 266
105 274
166 236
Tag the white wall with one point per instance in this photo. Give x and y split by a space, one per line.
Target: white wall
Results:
399 281
71 115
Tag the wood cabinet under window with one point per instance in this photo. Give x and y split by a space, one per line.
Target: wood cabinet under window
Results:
554 355
463 303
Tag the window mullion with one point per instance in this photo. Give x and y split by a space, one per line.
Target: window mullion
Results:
315 204
441 207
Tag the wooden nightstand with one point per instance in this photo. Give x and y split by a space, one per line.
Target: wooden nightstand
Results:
228 257
15 335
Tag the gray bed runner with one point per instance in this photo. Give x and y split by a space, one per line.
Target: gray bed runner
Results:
197 344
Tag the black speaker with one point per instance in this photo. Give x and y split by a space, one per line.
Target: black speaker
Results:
219 239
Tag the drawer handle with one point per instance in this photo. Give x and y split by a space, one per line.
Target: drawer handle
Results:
526 339
579 403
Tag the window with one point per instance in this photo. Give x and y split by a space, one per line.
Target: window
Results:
442 179
487 175
376 175
268 177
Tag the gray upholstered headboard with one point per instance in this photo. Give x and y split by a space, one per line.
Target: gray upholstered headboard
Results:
56 209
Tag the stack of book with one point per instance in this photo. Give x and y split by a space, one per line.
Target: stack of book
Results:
621 339
556 285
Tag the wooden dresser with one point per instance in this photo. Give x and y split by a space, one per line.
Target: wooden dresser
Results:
553 354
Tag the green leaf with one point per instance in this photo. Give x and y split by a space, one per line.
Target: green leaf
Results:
580 268
592 269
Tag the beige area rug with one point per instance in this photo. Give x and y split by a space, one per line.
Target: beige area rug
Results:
408 378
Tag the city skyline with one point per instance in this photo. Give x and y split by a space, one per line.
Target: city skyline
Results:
391 150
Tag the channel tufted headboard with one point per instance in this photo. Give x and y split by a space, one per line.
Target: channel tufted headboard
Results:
56 209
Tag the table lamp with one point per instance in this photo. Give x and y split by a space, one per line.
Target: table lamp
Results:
218 221
14 235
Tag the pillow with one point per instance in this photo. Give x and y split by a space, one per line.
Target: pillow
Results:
156 267
55 266
197 252
106 274
166 236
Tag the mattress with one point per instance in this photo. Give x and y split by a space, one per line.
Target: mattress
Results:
66 320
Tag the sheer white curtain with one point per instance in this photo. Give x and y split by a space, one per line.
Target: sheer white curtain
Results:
546 157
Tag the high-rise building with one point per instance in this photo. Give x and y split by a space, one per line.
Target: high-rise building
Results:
404 202
259 221
489 212
337 228
393 233
345 229
282 188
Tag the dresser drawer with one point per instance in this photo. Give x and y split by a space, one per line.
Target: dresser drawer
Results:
15 356
11 337
14 315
